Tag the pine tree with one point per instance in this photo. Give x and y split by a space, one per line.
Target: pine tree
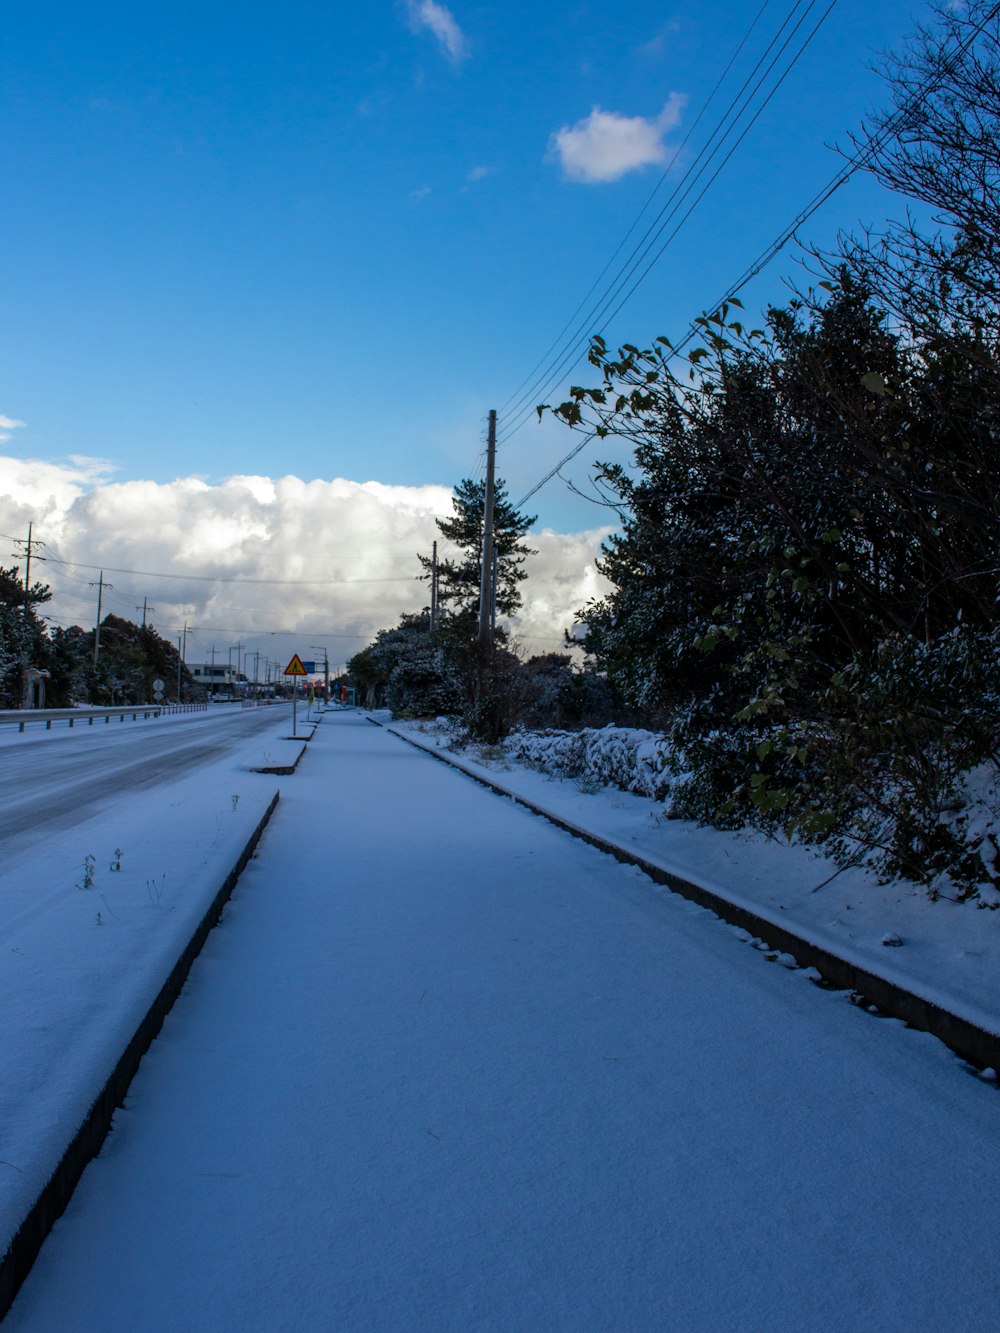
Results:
23 638
458 578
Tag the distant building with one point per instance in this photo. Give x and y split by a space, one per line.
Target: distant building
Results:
218 678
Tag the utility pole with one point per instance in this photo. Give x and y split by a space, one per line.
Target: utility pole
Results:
145 608
493 593
27 562
434 589
26 548
179 660
326 667
100 585
486 569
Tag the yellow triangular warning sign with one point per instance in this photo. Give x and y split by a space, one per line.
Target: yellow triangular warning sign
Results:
295 667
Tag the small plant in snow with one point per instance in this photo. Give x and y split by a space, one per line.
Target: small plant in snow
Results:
235 799
99 921
89 862
154 891
116 860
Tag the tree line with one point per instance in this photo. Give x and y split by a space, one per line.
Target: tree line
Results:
421 669
131 656
806 575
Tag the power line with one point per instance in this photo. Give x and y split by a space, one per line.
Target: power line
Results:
218 578
737 108
777 245
274 633
656 189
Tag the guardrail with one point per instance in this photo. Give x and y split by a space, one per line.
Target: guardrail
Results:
22 716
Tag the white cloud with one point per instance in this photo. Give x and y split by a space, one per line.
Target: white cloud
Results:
479 173
7 424
334 561
439 20
605 145
655 47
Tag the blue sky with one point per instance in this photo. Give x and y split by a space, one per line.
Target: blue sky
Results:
266 269
326 239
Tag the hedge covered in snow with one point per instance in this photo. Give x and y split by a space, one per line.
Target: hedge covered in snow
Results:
623 757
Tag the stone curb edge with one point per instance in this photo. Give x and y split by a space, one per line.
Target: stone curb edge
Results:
51 1203
283 770
975 1044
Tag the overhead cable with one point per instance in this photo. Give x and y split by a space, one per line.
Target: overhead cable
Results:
738 108
852 165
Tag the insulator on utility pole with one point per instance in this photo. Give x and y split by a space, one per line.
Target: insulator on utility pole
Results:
486 569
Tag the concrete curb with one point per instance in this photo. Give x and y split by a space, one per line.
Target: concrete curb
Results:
301 737
975 1044
51 1203
284 769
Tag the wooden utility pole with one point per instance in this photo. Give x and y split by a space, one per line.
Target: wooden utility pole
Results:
493 592
97 628
434 588
145 608
486 569
27 548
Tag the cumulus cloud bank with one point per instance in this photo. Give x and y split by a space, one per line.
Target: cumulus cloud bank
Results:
605 145
440 22
280 564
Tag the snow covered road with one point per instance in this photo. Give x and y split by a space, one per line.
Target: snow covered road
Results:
444 1067
53 781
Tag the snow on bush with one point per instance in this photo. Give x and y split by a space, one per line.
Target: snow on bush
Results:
623 757
646 763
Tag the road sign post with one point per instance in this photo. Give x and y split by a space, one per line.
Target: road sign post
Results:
295 669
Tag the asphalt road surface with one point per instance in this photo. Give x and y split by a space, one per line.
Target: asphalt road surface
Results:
57 780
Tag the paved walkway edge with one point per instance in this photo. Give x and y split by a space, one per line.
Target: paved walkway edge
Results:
51 1203
283 770
971 1042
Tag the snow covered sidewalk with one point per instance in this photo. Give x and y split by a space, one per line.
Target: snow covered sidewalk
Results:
948 954
444 1067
